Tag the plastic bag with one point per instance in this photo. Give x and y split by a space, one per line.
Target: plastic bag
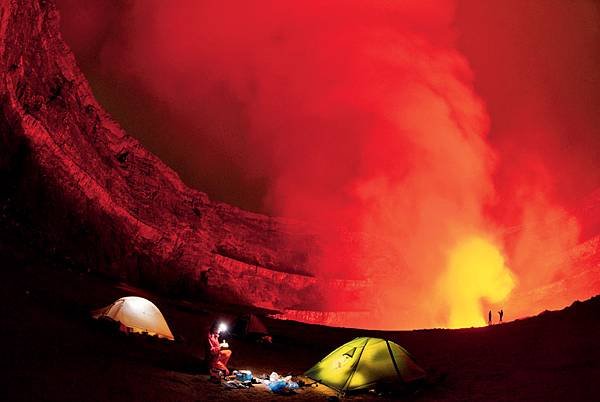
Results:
243 375
277 386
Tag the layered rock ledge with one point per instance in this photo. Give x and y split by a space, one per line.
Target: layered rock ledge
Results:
96 194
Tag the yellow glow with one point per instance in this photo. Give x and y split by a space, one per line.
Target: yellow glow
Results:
476 271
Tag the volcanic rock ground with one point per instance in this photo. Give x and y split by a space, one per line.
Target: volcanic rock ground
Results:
52 349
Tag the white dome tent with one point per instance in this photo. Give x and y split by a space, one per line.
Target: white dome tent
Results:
138 315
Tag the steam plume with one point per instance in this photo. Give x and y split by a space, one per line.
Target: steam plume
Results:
362 118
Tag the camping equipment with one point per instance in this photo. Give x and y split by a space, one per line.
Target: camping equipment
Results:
280 385
138 315
250 325
364 363
243 375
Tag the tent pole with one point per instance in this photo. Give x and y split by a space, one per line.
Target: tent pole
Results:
393 360
355 366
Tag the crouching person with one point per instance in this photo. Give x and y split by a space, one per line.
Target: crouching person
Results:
217 353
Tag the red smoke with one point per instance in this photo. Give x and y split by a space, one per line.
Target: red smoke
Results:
366 118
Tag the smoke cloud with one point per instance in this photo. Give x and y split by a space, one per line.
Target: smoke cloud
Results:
401 130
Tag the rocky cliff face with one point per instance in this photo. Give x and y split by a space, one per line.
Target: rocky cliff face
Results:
94 193
84 189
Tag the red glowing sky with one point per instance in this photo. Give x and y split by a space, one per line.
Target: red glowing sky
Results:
422 124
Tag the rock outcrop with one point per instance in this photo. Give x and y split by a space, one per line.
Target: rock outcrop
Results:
95 194
87 190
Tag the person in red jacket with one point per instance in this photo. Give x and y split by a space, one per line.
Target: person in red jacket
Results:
217 354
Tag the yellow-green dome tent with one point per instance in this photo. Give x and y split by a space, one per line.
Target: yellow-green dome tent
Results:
365 362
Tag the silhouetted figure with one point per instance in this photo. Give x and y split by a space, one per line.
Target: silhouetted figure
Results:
501 314
490 317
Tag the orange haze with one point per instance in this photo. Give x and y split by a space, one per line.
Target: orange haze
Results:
437 182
